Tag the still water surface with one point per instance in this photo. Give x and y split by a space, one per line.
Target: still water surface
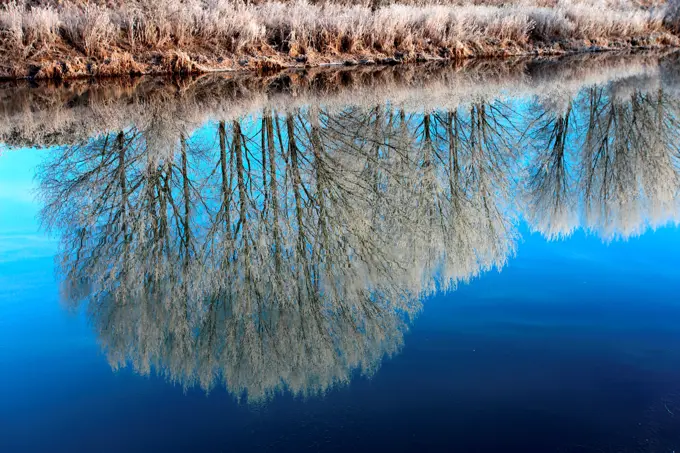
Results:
480 258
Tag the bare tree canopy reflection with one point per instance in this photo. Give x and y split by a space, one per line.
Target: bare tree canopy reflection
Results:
288 248
607 161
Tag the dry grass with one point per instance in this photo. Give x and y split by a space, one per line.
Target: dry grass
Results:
200 35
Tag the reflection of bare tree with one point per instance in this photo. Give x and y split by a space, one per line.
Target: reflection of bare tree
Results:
629 173
278 251
612 153
463 181
549 186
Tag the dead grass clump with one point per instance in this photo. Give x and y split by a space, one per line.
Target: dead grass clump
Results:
89 28
51 71
178 62
213 24
119 64
266 65
73 68
27 31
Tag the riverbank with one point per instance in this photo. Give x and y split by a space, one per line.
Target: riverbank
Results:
56 39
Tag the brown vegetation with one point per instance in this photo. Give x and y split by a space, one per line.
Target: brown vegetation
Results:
69 38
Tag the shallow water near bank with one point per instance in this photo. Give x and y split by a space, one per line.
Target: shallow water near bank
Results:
479 257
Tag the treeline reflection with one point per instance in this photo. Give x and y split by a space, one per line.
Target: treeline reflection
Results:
607 161
289 250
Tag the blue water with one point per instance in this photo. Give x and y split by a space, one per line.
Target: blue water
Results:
574 346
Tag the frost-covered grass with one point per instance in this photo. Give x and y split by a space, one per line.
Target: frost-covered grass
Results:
195 35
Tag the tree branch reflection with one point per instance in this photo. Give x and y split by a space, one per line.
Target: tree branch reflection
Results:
287 250
607 162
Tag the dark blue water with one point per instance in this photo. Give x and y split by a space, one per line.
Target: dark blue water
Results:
574 346
565 341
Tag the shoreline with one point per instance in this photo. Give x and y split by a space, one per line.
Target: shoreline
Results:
67 39
259 65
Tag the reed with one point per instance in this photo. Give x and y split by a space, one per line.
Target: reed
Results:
51 39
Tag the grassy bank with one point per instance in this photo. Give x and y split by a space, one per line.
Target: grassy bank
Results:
62 39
